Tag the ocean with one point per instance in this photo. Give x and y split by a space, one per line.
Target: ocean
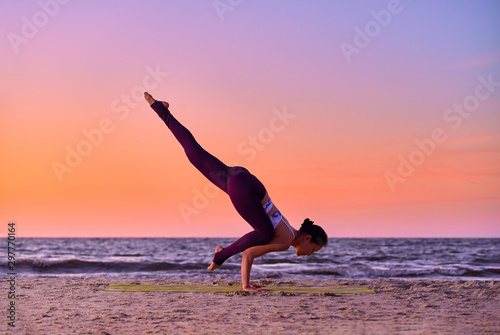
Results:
344 258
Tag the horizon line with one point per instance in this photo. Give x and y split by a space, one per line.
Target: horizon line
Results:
337 237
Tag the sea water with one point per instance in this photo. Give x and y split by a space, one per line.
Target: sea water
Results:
349 258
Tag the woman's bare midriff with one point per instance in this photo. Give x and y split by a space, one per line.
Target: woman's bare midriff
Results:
282 233
264 201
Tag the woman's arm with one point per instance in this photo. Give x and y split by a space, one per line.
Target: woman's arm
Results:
247 260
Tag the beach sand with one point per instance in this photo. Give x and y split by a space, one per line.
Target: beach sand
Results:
82 306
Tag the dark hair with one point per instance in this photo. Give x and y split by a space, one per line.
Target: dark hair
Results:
317 233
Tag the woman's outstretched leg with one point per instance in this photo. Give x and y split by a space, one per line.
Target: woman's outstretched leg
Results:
244 189
211 167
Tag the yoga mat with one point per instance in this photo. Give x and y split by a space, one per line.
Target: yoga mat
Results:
209 288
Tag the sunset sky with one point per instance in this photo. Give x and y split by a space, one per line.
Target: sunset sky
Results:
371 118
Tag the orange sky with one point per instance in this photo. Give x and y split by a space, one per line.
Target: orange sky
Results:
368 144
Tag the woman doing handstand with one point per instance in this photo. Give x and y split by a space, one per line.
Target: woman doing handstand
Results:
271 233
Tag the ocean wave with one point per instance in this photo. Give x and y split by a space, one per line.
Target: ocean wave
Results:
367 272
486 260
75 265
47 266
189 257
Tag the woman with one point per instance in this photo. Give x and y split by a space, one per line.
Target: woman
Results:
272 232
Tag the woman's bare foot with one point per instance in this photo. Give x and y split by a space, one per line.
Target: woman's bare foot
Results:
214 266
149 98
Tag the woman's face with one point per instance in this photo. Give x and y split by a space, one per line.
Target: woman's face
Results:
306 247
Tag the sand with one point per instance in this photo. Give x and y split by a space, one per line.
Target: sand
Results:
81 306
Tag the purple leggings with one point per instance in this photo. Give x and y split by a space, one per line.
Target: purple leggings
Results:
244 189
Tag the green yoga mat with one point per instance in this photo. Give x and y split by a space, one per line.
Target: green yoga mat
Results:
209 288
